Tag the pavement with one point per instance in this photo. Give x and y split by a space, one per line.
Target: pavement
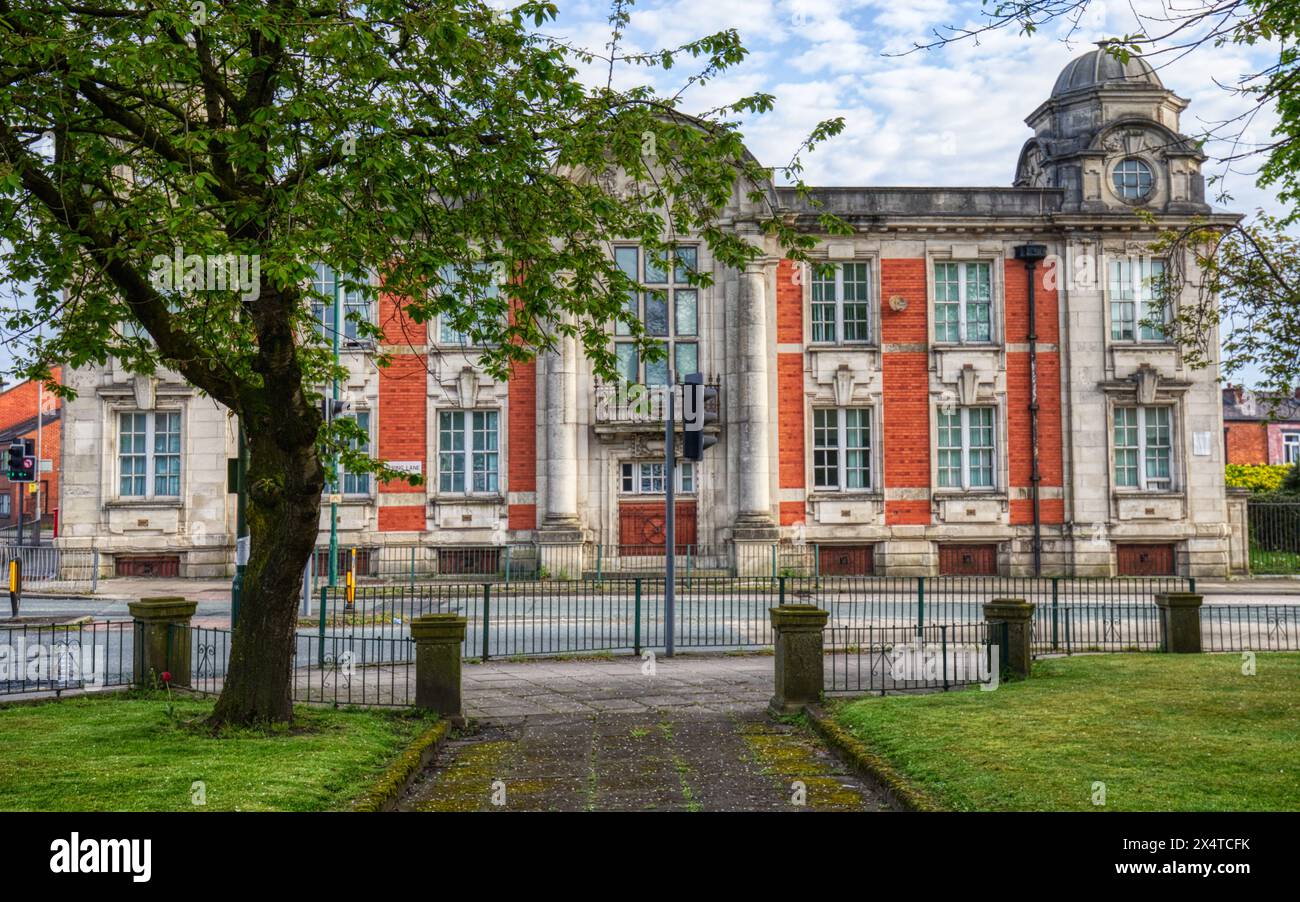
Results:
689 733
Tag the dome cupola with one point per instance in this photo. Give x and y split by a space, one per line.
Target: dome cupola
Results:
1108 135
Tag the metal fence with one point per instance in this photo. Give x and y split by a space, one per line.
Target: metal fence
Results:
338 669
55 659
1250 627
899 659
626 614
47 568
1273 529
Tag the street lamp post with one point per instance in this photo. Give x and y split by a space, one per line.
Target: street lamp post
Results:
670 486
334 483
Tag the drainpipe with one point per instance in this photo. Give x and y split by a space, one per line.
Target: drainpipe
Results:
1030 255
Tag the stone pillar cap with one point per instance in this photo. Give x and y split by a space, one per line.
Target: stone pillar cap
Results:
798 617
1008 609
439 628
165 608
1179 600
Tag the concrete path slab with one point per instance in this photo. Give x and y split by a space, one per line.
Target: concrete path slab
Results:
688 734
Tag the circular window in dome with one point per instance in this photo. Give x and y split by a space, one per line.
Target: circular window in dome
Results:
1133 179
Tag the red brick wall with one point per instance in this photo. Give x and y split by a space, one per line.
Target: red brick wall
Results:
793 513
790 431
521 450
406 518
789 303
1017 303
397 327
18 405
1050 432
403 416
522 516
521 443
906 414
1247 443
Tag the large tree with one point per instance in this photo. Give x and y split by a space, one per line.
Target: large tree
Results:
415 139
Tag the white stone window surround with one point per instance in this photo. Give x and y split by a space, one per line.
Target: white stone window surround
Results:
113 407
1148 430
842 447
969 253
1122 393
323 313
372 430
445 335
1177 451
466 454
685 333
1132 253
643 483
839 256
1001 462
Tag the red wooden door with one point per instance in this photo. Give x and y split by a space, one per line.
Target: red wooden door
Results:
642 529
846 560
160 565
968 560
1145 560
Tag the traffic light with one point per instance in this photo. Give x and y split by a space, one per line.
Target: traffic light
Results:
22 462
698 398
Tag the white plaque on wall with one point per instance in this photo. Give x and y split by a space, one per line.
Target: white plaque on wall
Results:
1201 444
406 466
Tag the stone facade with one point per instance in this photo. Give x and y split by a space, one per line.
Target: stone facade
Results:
150 524
892 426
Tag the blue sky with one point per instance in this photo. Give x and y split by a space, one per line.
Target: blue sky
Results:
951 116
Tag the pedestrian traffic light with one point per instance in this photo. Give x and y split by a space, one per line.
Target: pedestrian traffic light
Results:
700 404
22 462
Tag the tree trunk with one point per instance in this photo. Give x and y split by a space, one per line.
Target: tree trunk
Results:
284 496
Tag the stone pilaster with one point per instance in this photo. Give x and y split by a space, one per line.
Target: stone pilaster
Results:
754 520
560 524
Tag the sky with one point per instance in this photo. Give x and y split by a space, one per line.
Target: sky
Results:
947 116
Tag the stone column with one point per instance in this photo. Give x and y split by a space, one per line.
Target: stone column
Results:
1180 622
438 639
1018 615
754 525
797 632
161 640
560 534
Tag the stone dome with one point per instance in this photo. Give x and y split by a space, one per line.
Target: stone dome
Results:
1097 69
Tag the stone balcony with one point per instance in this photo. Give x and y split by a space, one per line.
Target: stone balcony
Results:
625 407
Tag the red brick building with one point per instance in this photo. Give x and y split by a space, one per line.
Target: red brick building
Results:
894 410
1260 429
18 419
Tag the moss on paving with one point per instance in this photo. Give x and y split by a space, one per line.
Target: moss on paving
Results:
787 757
1162 732
143 752
465 784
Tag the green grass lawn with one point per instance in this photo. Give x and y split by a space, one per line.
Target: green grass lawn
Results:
1163 732
125 753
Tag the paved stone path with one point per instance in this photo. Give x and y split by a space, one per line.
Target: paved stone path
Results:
689 734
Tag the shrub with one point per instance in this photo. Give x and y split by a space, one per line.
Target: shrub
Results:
1259 478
